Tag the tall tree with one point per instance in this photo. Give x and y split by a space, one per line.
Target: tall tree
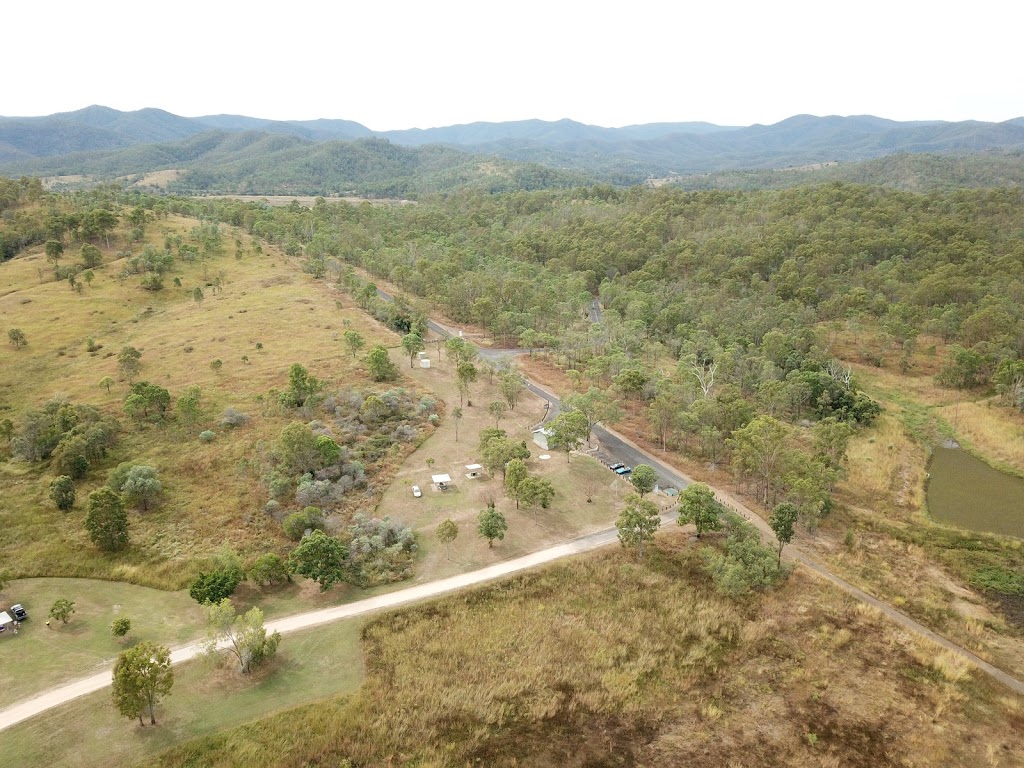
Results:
128 362
759 449
142 676
511 384
783 522
536 492
497 409
244 637
106 520
354 341
515 474
644 478
637 523
466 374
491 525
62 492
697 505
447 532
456 418
568 429
321 558
597 405
54 250
412 343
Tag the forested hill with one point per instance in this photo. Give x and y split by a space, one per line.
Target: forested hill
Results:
269 163
906 171
625 156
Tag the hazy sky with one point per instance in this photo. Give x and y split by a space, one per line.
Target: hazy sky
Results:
397 64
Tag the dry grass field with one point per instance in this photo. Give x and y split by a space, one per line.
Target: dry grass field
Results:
602 661
267 316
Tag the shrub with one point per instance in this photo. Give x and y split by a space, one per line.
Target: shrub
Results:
380 550
62 493
120 627
214 587
747 564
207 436
298 523
269 569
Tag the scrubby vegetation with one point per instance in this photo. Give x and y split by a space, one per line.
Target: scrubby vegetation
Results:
605 661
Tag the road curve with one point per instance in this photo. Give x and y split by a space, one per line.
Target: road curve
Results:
614 446
62 694
617 448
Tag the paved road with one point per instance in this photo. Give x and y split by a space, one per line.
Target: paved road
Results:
617 448
614 446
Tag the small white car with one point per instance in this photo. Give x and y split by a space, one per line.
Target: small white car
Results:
416 491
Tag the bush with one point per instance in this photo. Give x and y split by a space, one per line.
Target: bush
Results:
269 569
380 550
207 436
141 487
214 587
297 523
747 564
62 493
120 627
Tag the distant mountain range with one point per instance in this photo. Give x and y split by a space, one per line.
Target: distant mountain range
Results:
236 150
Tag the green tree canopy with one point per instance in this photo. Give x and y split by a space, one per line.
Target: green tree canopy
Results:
62 492
697 505
637 523
643 478
491 525
321 558
381 367
447 532
142 676
106 520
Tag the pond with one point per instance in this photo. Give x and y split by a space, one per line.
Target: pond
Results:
967 492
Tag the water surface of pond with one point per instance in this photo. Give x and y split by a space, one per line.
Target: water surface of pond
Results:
967 492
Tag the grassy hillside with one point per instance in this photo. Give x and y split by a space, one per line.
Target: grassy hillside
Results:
264 316
603 661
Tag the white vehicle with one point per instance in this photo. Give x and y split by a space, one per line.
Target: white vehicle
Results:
416 491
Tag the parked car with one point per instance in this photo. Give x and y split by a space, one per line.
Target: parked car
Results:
616 467
19 613
416 491
623 470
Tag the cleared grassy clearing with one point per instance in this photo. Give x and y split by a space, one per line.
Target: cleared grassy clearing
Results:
601 661
45 656
569 515
89 733
212 491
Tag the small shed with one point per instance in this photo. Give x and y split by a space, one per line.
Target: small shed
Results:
541 436
473 471
5 621
441 482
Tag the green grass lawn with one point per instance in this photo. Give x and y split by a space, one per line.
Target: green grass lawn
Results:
88 732
44 657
